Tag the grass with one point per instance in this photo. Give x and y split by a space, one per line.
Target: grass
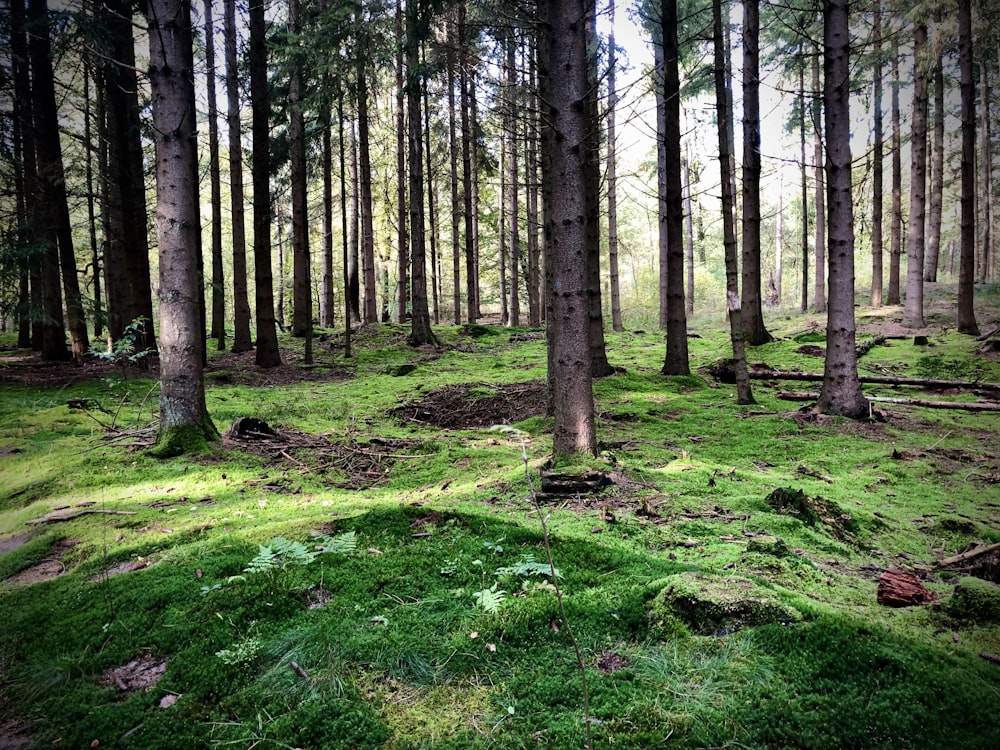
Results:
397 649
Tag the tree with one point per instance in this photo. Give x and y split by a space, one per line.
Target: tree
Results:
616 303
724 109
841 392
564 89
896 222
676 358
241 303
753 315
53 228
185 424
932 255
365 169
267 336
819 295
913 309
301 260
878 160
402 238
967 258
218 275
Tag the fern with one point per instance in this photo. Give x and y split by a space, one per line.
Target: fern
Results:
280 554
489 600
342 544
526 567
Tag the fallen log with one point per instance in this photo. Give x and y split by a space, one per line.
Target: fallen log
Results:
65 515
817 377
926 403
964 557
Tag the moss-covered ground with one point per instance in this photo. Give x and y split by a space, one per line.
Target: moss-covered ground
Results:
197 601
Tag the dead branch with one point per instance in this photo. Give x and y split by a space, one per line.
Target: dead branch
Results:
817 377
803 469
964 557
990 657
65 515
926 403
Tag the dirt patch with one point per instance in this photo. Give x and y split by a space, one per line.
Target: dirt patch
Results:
142 673
241 369
13 542
14 736
125 567
811 350
28 368
462 407
49 568
610 662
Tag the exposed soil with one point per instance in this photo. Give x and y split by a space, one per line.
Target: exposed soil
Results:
142 673
462 407
49 568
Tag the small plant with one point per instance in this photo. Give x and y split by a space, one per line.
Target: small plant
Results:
489 600
124 352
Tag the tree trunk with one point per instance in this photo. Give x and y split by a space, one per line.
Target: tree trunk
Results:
805 181
301 261
896 225
932 260
753 315
432 205
326 300
473 272
723 102
460 203
468 176
675 360
967 258
531 137
688 236
267 354
242 341
612 178
215 187
402 238
185 424
820 199
54 229
365 180
877 161
986 165
345 241
661 181
420 321
95 254
913 310
841 392
776 285
513 234
564 85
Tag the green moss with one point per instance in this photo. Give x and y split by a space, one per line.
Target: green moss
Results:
975 599
183 439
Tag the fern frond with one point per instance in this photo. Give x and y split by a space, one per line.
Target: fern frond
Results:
342 544
489 600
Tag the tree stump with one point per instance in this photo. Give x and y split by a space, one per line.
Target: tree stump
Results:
897 588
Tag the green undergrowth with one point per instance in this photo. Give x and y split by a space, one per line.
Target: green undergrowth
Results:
379 582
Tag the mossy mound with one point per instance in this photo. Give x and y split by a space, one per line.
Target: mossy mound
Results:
814 511
714 605
975 599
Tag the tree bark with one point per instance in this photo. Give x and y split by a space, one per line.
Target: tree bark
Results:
896 225
215 186
242 341
819 293
724 109
661 182
326 299
432 234
185 424
841 391
365 177
612 177
468 172
533 225
877 161
753 316
301 261
267 354
676 358
986 165
402 238
932 259
967 256
913 309
564 90
511 195
803 172
460 203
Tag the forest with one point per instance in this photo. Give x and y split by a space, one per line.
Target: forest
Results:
469 373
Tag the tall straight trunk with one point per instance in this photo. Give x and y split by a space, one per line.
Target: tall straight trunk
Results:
661 182
365 183
803 170
564 86
688 235
841 391
514 238
432 222
913 309
301 261
420 321
267 354
612 178
215 187
345 241
184 421
600 367
753 314
95 252
986 165
474 270
54 229
353 217
877 161
723 107
468 175
326 301
819 293
460 202
675 360
531 168
242 341
896 225
778 259
967 258
502 234
402 237
932 259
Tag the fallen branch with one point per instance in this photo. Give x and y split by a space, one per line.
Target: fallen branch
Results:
990 657
964 405
66 515
803 469
964 557
817 377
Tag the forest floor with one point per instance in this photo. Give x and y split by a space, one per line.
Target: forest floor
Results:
362 562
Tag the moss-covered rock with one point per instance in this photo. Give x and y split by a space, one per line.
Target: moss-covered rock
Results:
714 605
975 599
769 545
